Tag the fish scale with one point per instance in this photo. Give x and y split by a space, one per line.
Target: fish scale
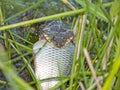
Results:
51 61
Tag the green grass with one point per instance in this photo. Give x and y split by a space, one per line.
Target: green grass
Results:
96 60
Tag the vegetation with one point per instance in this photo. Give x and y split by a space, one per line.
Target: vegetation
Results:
96 24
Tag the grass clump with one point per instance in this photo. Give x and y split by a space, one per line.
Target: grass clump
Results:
96 60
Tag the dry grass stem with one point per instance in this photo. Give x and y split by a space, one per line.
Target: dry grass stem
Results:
94 84
91 68
81 21
76 26
68 4
106 56
82 86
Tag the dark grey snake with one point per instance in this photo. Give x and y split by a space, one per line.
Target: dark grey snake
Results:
53 54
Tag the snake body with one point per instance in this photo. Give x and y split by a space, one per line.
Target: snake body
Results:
53 55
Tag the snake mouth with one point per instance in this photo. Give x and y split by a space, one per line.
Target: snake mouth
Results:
58 45
61 42
59 39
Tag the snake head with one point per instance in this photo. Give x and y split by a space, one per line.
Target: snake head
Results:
58 35
62 39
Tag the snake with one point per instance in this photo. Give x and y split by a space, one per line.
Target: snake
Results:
53 54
